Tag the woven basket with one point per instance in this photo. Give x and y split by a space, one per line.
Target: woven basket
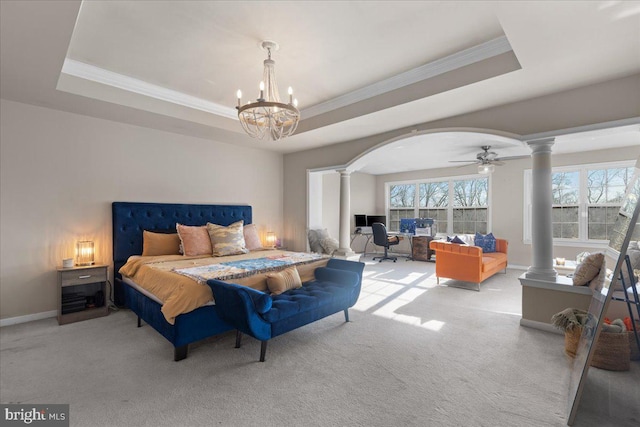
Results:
611 353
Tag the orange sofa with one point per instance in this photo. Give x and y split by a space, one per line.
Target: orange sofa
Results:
468 263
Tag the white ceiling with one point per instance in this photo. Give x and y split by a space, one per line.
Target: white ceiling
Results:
176 65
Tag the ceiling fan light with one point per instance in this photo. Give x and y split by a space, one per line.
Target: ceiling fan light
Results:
486 168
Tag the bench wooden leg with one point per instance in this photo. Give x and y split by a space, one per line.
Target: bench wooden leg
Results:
180 353
238 338
263 350
346 314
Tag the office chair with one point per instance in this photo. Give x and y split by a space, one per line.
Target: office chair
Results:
381 238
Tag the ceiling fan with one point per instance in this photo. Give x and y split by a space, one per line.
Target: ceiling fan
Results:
488 160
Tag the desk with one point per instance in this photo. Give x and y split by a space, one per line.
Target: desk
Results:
368 237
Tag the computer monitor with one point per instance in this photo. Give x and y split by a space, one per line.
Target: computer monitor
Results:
361 220
376 218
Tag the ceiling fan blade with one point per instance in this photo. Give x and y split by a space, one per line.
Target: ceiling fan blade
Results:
462 166
497 163
512 158
463 161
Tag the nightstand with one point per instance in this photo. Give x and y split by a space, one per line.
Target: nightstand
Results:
82 293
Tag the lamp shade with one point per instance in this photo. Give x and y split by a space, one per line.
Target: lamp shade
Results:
84 252
271 239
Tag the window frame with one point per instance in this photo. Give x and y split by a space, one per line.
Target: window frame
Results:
450 206
583 204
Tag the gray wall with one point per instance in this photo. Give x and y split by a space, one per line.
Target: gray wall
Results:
61 171
597 103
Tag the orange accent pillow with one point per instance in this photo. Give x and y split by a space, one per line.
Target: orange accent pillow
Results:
283 280
160 243
195 240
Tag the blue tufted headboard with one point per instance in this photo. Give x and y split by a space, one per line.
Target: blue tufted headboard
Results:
130 219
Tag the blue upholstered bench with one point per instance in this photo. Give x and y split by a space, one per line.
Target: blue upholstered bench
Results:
335 288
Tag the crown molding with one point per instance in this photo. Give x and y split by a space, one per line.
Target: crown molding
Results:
432 69
440 66
106 77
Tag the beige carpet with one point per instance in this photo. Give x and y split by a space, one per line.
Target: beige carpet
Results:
413 354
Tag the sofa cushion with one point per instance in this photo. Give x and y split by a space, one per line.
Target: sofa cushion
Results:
493 260
310 297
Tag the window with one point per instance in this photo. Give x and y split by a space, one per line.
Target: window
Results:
565 187
586 201
401 204
434 202
605 191
457 205
470 206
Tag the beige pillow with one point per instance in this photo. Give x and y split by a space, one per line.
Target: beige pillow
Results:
195 240
283 280
251 238
329 245
160 243
588 269
227 240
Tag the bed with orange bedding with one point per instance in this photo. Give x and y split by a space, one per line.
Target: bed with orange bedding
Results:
179 282
174 304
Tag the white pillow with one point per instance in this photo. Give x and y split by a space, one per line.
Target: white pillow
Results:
314 239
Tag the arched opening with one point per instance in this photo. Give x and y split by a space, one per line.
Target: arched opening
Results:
414 151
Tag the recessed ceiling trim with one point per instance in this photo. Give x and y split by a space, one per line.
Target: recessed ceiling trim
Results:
452 62
631 124
106 77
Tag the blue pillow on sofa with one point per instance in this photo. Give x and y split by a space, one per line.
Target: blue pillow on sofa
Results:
486 242
455 239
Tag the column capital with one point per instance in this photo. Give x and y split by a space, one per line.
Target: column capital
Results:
541 145
344 172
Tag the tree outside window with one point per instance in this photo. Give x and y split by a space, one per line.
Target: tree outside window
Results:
565 187
464 200
605 192
470 201
434 203
586 201
401 204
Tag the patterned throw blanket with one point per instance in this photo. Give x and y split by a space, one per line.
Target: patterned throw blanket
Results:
244 268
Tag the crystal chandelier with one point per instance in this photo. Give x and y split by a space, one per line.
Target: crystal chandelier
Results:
267 117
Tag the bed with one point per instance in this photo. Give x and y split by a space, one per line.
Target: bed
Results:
129 221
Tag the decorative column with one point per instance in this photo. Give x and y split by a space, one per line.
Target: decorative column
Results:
345 213
541 215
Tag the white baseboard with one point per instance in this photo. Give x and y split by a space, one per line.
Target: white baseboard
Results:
517 267
28 318
547 327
